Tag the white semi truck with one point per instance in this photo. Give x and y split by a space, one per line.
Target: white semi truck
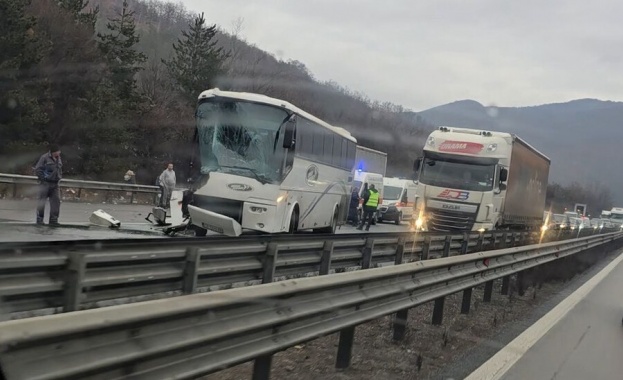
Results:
473 180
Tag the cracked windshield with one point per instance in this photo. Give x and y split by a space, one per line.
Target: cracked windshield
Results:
310 189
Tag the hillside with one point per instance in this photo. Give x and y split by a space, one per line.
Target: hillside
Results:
582 137
381 126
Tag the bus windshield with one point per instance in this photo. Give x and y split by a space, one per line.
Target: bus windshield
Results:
242 138
457 175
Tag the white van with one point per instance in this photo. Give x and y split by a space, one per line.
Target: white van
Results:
361 178
398 200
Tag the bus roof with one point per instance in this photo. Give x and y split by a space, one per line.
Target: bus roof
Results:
263 99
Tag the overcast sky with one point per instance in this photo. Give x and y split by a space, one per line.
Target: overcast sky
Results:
426 53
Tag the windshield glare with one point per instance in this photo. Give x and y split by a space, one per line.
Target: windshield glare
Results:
242 138
391 193
457 175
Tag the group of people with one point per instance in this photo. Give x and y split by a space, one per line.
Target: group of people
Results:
49 172
369 201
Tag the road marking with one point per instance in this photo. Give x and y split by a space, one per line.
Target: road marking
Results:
496 367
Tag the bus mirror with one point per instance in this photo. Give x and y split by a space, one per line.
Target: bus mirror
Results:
289 138
503 175
502 187
416 164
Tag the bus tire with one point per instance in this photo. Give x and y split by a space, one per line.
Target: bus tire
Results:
333 227
294 222
200 232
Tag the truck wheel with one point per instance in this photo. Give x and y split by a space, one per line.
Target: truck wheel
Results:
398 219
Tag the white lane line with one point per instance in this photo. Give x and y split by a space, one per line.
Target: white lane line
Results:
500 363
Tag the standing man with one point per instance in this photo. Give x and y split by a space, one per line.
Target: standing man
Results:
370 203
49 171
167 181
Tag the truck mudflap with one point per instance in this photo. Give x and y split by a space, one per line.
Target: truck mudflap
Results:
212 221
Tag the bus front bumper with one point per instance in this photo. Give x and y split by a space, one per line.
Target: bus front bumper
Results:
212 221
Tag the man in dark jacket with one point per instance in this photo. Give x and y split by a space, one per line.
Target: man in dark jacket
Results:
370 203
49 171
352 208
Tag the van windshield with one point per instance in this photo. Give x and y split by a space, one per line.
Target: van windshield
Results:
391 193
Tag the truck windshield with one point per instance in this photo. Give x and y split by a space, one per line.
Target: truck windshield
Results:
457 175
241 138
616 216
391 193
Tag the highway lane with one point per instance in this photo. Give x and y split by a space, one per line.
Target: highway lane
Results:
580 339
17 219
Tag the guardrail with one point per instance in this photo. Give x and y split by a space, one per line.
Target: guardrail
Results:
16 180
192 336
75 275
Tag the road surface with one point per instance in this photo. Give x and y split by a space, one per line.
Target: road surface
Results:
17 219
580 339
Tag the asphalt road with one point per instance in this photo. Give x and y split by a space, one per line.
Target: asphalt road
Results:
17 222
580 339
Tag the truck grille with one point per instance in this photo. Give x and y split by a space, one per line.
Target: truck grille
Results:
450 221
227 207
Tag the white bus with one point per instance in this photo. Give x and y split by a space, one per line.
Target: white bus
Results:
268 166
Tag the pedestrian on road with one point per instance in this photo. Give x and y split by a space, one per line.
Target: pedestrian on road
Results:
370 203
354 205
49 171
167 182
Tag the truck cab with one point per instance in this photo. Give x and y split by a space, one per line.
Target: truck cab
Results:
473 180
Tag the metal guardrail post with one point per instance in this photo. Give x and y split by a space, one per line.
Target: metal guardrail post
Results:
345 348
467 301
506 280
520 283
438 311
262 364
425 248
464 244
325 259
76 268
190 279
488 291
467 293
366 254
480 243
446 246
494 241
400 251
399 324
261 367
270 261
503 241
15 190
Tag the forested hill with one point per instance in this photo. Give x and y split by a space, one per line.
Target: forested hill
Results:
110 88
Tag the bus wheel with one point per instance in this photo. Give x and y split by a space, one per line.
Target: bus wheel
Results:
294 222
330 229
200 232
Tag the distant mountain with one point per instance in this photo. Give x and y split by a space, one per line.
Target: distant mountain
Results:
582 137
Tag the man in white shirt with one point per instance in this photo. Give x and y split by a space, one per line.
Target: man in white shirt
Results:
167 182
